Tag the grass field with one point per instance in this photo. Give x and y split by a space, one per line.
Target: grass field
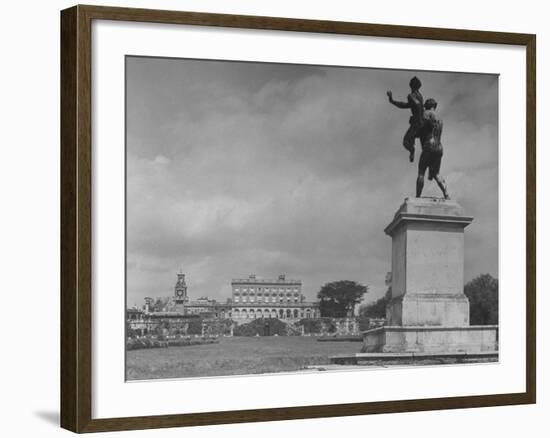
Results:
235 355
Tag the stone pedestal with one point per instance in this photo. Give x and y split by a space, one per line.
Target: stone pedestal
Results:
428 311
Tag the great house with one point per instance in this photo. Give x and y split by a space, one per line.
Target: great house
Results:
280 298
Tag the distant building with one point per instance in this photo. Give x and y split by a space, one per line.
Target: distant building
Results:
251 298
282 298
180 298
134 314
206 307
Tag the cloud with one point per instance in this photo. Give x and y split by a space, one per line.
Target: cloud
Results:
161 160
234 168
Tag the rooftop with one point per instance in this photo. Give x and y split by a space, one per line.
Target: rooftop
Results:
253 279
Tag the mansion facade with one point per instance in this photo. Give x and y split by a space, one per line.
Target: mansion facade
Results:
280 298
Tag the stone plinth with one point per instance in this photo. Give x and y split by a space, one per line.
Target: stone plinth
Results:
428 310
431 339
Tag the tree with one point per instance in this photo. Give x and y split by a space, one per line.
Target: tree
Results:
376 309
159 305
482 292
338 298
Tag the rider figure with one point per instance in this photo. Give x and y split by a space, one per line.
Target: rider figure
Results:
415 102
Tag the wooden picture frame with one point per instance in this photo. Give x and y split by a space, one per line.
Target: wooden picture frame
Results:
76 218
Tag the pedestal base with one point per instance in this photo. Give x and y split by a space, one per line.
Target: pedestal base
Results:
429 309
431 339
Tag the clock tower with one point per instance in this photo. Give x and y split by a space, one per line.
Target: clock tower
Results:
180 290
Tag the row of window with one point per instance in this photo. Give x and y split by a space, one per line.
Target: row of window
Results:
273 313
260 294
260 299
265 289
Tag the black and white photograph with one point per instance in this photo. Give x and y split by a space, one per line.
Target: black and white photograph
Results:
305 218
278 218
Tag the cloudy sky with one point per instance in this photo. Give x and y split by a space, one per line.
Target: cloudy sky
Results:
236 168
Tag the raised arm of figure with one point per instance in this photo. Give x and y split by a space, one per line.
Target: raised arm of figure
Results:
397 103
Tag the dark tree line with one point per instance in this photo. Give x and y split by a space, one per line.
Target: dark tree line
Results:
482 292
376 309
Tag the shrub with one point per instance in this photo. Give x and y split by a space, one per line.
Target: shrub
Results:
317 325
195 327
262 326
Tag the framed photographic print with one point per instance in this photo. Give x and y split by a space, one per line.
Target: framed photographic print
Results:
304 218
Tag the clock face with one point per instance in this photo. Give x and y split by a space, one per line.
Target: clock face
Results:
179 293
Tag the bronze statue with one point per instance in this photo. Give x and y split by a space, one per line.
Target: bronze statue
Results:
425 125
432 149
415 102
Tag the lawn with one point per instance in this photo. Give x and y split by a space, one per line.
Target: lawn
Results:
234 355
